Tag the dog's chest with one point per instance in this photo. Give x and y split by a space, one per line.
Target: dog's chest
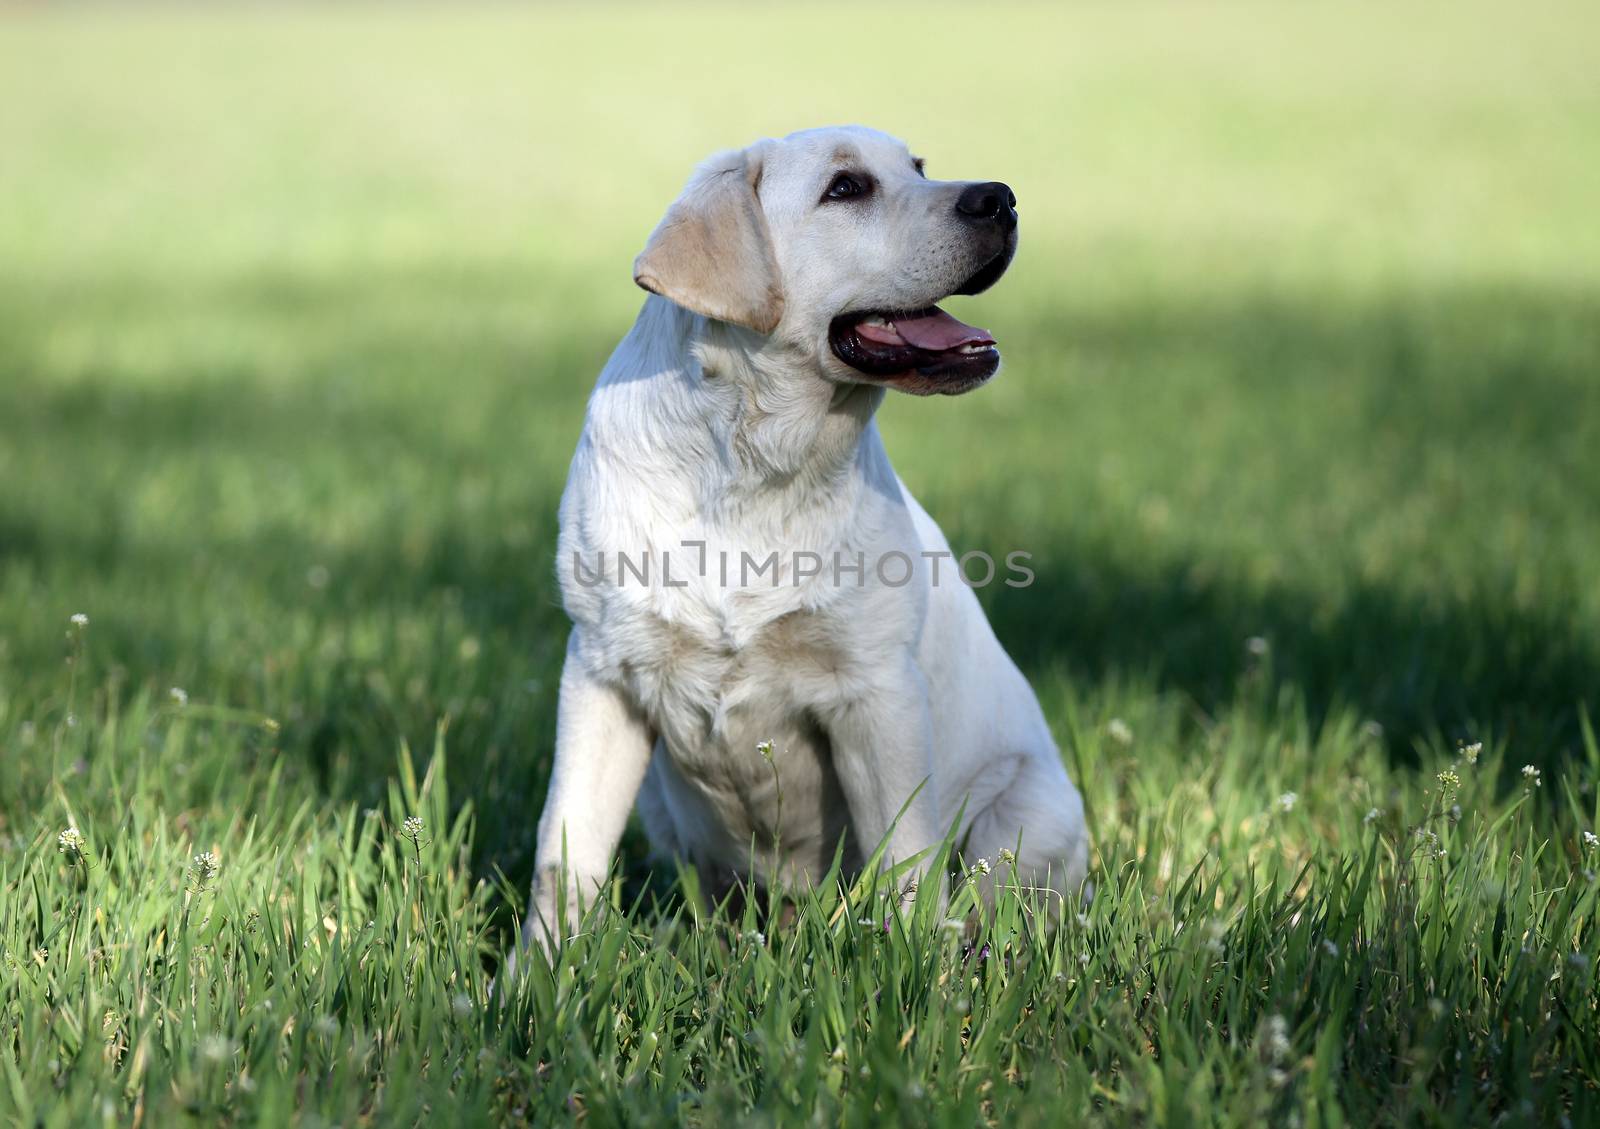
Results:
716 678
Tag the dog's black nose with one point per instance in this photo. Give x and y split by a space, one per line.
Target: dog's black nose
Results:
991 201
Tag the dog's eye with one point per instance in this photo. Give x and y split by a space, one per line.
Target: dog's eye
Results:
847 186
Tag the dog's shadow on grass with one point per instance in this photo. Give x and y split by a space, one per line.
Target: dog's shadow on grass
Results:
1421 669
1467 413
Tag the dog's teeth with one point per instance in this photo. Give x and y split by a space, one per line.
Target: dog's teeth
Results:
875 319
973 347
889 325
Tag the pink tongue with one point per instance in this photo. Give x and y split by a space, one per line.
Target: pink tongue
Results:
938 332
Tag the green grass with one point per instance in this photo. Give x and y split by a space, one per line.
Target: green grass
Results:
298 312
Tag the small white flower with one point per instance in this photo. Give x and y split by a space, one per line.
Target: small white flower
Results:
1083 960
1007 856
1276 1041
1083 921
205 865
982 866
1371 816
764 750
1532 775
216 1048
179 695
1430 843
1119 731
412 827
1330 947
70 842
1590 840
1257 645
1469 753
461 1005
79 619
1372 730
1287 801
755 937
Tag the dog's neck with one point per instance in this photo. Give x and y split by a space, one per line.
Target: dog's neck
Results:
684 392
785 425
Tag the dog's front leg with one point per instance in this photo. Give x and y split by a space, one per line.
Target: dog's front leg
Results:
603 746
883 754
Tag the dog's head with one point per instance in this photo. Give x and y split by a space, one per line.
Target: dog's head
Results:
835 241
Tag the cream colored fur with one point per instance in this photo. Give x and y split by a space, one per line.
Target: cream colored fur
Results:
723 419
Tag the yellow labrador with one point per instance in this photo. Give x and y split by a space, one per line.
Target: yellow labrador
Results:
743 566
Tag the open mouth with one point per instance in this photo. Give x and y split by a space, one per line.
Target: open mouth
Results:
922 351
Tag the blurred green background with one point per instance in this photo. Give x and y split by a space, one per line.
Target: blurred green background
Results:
299 310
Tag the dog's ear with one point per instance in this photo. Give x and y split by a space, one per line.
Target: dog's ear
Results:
712 251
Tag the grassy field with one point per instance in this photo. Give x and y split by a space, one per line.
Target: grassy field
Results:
1300 420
